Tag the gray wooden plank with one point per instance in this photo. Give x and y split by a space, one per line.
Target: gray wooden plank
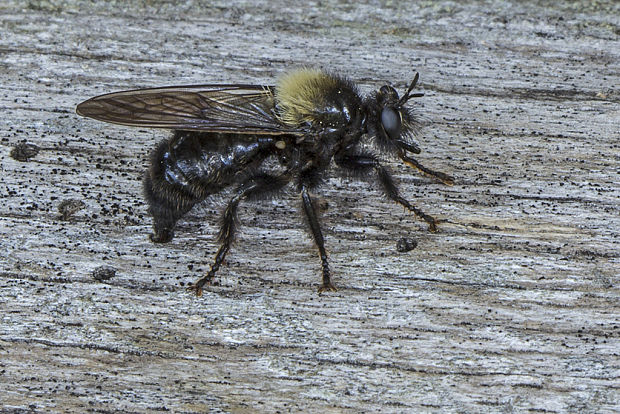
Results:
512 306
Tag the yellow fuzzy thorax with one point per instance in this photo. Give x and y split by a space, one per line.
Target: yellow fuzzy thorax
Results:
299 93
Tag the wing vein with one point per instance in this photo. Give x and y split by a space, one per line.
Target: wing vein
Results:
245 109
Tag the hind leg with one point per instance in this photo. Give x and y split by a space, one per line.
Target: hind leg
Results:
256 187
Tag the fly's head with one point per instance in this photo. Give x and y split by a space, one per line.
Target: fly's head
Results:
390 123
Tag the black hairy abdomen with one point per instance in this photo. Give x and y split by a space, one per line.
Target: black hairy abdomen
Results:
189 166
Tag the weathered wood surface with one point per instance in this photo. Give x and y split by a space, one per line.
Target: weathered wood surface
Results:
512 306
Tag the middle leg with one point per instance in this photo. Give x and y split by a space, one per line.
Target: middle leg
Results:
313 221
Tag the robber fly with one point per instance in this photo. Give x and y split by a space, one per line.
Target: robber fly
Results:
259 139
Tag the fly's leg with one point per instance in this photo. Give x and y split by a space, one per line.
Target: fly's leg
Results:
256 187
365 163
310 211
225 237
443 177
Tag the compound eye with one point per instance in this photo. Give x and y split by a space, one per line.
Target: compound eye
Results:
391 122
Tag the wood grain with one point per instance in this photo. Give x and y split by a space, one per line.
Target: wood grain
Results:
513 306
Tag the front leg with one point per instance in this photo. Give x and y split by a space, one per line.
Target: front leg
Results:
313 221
364 164
412 162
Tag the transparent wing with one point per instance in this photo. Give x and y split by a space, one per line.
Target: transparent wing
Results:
244 109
